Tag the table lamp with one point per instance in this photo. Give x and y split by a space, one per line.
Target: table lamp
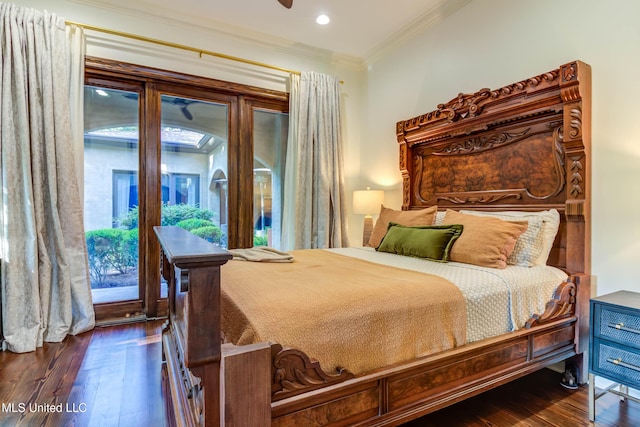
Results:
367 202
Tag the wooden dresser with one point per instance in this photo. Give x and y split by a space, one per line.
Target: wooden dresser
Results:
614 345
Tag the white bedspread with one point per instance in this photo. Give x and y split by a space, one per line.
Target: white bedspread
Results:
497 301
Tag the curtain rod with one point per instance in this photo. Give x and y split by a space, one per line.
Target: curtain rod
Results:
181 46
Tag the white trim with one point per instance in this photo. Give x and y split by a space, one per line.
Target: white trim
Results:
432 17
253 38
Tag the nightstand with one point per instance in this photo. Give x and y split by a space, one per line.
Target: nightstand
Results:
614 345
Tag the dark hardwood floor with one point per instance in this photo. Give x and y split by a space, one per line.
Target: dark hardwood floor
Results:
106 377
111 377
535 400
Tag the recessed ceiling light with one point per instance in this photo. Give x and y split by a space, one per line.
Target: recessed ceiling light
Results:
323 19
102 92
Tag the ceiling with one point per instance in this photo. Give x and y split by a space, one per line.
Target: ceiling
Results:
358 28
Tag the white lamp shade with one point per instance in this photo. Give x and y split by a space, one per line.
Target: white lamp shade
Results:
367 202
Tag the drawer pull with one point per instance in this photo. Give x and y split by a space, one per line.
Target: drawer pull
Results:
620 326
619 362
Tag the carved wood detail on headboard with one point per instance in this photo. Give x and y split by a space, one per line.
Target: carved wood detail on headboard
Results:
466 106
523 146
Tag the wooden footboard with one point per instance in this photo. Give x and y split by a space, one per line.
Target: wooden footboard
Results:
191 347
303 394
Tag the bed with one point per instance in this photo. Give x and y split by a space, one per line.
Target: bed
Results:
522 148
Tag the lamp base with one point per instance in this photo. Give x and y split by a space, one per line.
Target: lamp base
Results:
368 229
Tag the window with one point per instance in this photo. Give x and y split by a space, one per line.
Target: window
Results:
111 161
159 144
125 193
177 188
181 189
185 160
270 130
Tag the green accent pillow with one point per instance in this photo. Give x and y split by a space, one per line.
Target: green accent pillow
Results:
429 241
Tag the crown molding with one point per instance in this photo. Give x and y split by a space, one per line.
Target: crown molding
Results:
430 18
211 28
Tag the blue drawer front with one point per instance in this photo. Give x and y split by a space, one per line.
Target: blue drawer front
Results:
617 364
620 326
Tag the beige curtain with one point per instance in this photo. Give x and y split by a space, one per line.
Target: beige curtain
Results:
314 201
45 280
77 47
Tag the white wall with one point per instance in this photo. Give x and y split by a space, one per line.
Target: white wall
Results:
492 43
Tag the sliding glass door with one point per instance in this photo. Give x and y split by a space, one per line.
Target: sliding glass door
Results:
270 129
111 159
164 148
194 139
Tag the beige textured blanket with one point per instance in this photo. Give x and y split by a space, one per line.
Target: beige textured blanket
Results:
261 254
342 311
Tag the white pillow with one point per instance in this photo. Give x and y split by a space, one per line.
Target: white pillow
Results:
537 241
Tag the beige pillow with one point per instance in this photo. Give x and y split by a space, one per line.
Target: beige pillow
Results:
485 241
545 237
530 243
408 218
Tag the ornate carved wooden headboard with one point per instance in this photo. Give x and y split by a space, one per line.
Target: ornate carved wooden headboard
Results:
525 146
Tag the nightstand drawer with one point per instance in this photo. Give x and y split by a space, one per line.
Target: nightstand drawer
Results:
617 363
618 325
